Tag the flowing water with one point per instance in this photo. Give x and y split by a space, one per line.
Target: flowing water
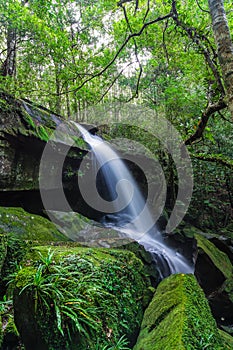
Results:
128 211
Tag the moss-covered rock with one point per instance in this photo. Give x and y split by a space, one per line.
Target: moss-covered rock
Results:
218 258
214 272
26 226
178 317
226 339
76 297
25 129
20 230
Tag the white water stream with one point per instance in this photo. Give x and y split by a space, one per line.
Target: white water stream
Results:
131 214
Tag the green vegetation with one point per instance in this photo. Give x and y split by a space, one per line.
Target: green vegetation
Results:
68 56
219 259
179 317
80 295
25 226
85 61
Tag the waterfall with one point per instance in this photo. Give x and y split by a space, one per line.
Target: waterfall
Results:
129 212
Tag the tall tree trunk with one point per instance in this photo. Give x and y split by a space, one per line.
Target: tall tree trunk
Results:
9 65
58 89
224 46
67 102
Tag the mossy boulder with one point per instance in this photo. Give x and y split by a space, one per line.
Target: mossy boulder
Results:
214 272
20 230
77 297
25 129
179 317
26 226
226 339
218 258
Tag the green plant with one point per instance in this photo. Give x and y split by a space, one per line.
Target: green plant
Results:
120 345
83 295
54 284
5 305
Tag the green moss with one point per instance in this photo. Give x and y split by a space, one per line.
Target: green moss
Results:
219 259
227 340
10 334
178 317
15 251
106 289
28 119
25 276
3 250
228 288
25 226
34 127
19 230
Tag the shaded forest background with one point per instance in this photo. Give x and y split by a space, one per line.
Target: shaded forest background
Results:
86 60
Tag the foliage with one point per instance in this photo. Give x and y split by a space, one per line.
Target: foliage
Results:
83 294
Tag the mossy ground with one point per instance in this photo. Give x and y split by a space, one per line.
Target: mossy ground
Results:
179 317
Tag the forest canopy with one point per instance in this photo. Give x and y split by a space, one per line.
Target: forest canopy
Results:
70 55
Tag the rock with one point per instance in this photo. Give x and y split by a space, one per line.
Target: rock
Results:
71 297
24 131
178 317
19 230
214 272
217 257
26 226
147 260
227 340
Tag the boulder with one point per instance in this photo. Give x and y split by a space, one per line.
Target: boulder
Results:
214 272
71 297
30 227
19 230
25 129
179 317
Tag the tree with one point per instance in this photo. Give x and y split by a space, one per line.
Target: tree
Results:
224 45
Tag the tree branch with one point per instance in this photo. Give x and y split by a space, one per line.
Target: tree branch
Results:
136 55
214 158
164 41
147 11
112 83
211 109
133 35
199 40
198 4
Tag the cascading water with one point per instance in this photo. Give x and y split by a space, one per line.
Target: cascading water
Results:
130 213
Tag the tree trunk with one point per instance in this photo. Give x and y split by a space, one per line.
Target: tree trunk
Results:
224 46
9 65
58 89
